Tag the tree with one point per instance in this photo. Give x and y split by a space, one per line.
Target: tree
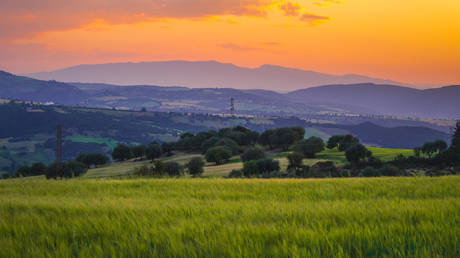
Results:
295 160
347 142
173 168
441 146
250 168
158 168
121 153
90 159
37 169
252 154
455 144
168 147
310 146
266 138
195 166
153 151
286 136
139 151
334 141
429 148
357 153
211 142
324 169
218 154
23 171
74 169
268 165
229 143
417 151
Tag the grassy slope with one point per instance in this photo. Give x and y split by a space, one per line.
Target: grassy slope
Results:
120 169
402 217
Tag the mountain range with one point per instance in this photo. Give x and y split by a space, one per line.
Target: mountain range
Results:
204 74
365 99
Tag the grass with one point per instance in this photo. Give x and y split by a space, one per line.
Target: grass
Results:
117 169
393 217
108 142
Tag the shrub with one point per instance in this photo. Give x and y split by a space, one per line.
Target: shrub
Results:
139 151
153 151
236 173
370 172
389 170
357 153
143 171
324 169
173 168
295 160
37 169
218 154
268 165
23 171
195 166
158 168
74 169
252 154
250 168
310 146
122 152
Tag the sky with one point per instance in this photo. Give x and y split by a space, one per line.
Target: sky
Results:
410 41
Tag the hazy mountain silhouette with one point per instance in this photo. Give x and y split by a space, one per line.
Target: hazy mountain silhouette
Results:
205 74
386 99
24 88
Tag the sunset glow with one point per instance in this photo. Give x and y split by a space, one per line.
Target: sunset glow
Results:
410 41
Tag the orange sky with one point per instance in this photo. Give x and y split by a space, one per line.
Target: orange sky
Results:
412 41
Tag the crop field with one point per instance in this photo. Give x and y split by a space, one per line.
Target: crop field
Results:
395 217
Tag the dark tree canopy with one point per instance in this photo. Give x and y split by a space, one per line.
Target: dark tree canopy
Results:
153 151
253 153
310 146
122 152
218 154
295 160
195 166
357 153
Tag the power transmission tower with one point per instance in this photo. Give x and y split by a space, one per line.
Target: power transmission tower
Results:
232 106
59 151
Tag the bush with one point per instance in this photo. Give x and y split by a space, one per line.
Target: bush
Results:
23 171
74 169
173 168
153 151
158 168
252 154
143 171
267 165
122 152
195 166
324 169
250 168
389 170
295 160
139 151
370 172
357 153
236 173
310 146
37 169
218 154
90 159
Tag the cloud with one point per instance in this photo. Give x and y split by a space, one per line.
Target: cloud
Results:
236 47
21 18
290 8
313 18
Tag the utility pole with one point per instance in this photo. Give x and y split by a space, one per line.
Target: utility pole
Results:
59 151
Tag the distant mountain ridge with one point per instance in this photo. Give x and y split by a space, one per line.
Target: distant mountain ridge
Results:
24 88
367 99
203 74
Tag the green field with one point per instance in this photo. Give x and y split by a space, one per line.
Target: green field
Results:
108 142
117 170
394 217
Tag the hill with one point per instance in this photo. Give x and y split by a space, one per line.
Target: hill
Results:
205 74
30 134
24 88
386 99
